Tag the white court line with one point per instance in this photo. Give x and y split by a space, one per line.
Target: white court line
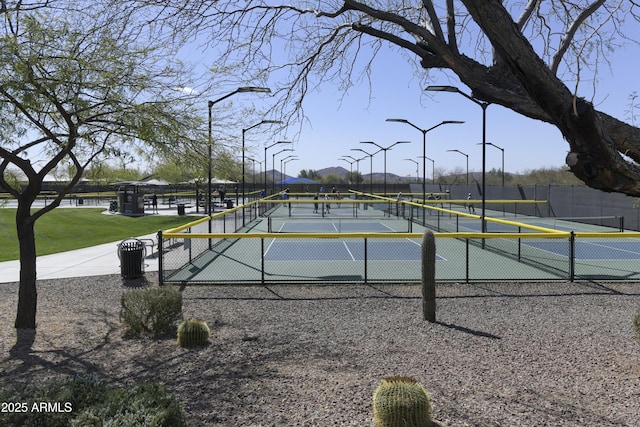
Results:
347 248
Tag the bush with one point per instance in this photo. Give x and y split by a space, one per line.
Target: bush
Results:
70 393
636 324
141 405
151 311
87 401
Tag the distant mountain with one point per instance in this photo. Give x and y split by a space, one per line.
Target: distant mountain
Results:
277 175
377 176
335 170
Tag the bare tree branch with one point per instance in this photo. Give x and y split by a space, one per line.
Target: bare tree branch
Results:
571 32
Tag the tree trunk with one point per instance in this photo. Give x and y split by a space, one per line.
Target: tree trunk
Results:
27 294
596 141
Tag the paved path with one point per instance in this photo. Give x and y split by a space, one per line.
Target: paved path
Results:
93 261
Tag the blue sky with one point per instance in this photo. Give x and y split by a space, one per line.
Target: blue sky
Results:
337 123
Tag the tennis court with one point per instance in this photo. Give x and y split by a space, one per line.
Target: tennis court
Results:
380 241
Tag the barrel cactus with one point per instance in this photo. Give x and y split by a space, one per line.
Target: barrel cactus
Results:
401 402
193 332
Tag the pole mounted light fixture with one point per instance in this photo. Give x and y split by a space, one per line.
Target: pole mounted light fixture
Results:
417 169
289 159
210 104
385 149
273 168
501 149
370 155
443 89
265 159
484 106
433 169
467 156
244 131
424 148
357 162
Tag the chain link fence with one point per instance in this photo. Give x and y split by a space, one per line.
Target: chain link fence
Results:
241 246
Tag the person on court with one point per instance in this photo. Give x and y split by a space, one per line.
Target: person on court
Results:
472 209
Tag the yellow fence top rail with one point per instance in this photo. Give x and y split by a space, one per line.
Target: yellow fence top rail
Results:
362 235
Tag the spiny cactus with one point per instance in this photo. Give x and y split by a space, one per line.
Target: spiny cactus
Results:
429 276
401 402
636 324
193 332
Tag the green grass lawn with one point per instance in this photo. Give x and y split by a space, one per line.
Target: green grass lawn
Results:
67 229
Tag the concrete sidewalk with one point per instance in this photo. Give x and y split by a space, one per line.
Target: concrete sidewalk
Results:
93 261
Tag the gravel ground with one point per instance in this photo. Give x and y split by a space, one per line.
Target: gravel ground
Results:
558 354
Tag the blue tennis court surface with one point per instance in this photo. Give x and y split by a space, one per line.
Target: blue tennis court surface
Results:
331 227
341 250
493 227
596 250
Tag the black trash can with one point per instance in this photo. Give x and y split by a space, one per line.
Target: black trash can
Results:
131 253
229 203
80 201
181 210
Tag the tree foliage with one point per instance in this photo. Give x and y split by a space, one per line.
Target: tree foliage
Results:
309 173
77 85
541 59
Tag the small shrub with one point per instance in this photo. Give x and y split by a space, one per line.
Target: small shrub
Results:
193 332
73 392
151 311
146 405
636 324
86 401
401 402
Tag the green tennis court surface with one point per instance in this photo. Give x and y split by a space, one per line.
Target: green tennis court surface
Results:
294 241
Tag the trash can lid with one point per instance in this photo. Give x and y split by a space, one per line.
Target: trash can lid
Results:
131 244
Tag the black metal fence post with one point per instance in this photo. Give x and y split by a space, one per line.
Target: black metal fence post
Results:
262 257
160 258
572 256
365 261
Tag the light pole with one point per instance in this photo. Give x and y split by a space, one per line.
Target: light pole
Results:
350 168
273 168
385 149
501 149
357 161
292 159
265 161
484 106
210 140
467 156
424 146
282 162
433 169
244 131
253 169
417 168
370 155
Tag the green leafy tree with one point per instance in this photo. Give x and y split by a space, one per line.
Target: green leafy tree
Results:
309 173
78 84
332 178
104 173
355 178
